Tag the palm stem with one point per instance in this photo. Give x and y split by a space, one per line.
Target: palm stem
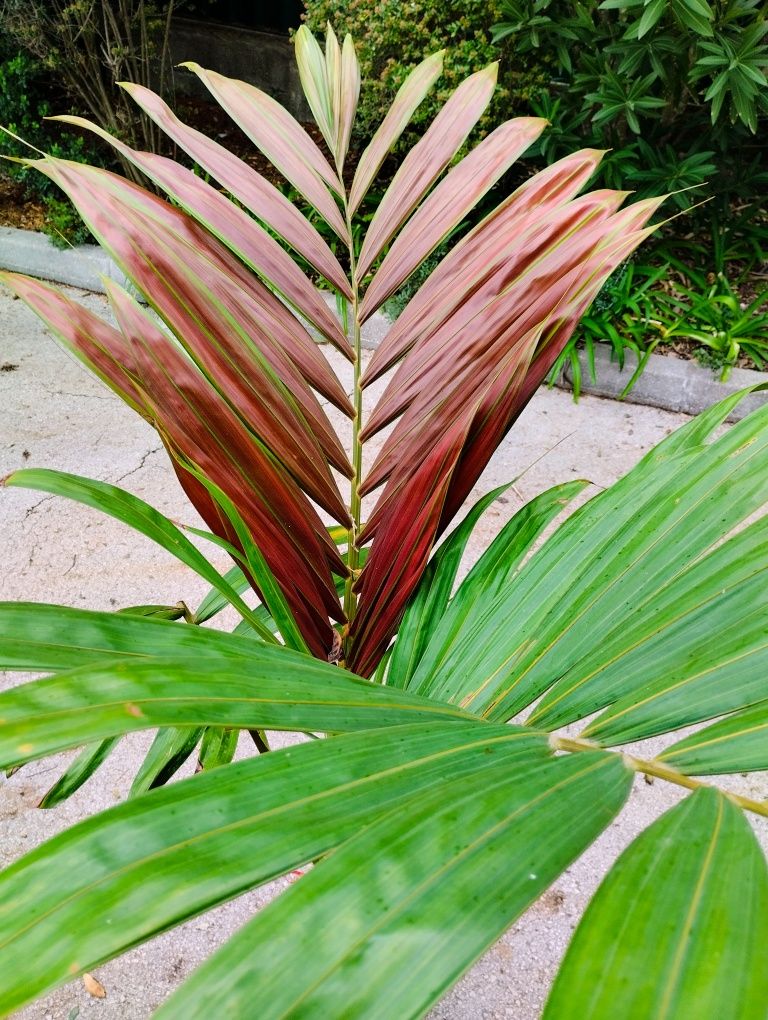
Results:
657 769
353 559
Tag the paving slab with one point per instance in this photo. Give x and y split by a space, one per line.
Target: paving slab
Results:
54 414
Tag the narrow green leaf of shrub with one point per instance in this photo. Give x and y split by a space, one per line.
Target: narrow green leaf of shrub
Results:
82 768
416 897
170 749
140 516
288 691
679 926
152 862
738 743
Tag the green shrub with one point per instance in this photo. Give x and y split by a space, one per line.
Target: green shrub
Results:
392 38
676 90
627 63
26 94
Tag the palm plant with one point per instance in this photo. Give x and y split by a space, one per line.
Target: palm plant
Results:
432 820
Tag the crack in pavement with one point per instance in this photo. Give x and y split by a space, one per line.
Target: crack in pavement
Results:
30 510
84 396
140 465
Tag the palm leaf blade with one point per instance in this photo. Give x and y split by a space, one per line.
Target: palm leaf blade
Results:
413 864
426 161
738 743
106 700
699 870
257 194
287 808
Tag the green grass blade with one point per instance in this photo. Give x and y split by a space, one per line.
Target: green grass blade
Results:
152 862
679 926
415 898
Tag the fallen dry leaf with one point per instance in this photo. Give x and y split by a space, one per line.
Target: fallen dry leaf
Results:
94 987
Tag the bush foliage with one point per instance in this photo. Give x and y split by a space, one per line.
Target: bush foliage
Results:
26 92
675 90
393 37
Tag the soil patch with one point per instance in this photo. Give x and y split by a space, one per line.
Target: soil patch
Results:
17 209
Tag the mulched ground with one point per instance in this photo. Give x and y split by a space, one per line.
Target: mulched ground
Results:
17 210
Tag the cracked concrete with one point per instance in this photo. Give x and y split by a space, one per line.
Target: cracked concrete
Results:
62 552
140 465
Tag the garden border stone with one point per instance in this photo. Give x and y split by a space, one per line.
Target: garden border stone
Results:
30 252
669 383
673 384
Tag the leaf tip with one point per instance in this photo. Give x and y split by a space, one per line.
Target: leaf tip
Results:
492 71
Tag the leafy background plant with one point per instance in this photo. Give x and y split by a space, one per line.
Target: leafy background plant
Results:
26 98
60 55
677 91
642 614
648 82
390 44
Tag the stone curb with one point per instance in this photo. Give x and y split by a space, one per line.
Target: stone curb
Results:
669 383
672 384
31 253
26 251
